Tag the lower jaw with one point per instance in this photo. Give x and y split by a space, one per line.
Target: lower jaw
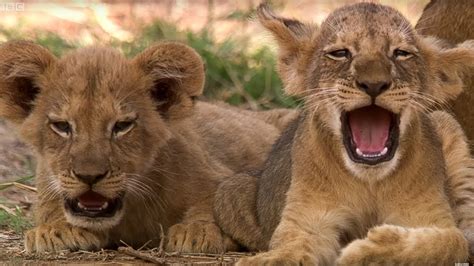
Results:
96 224
354 157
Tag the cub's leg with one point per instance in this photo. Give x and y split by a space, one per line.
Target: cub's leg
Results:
427 235
397 245
308 233
235 211
54 233
460 171
199 233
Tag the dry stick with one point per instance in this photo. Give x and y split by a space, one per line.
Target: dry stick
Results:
8 210
137 254
144 245
25 187
161 251
229 254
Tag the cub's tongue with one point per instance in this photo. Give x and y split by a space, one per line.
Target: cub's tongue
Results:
92 200
370 127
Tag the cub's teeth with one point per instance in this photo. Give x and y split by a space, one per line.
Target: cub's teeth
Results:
103 207
374 155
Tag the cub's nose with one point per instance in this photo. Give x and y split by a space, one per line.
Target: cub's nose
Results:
373 89
90 178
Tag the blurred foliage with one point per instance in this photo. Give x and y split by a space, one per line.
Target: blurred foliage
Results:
235 72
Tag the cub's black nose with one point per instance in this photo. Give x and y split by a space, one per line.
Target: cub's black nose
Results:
90 178
373 89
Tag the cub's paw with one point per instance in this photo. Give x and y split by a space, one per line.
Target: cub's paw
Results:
379 247
469 235
274 258
63 236
195 237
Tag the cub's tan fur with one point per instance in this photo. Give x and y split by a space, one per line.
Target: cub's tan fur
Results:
453 22
163 163
312 204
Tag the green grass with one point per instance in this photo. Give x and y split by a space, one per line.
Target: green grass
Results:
17 222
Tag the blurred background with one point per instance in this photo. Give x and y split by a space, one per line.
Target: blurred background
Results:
239 56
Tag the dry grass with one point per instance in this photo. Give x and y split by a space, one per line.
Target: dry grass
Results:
13 252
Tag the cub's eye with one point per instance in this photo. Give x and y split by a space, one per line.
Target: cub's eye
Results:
122 127
62 128
401 54
341 54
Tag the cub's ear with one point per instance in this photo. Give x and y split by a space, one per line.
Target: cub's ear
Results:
177 72
295 40
448 68
21 65
289 33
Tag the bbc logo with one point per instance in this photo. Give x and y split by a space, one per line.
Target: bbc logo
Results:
12 7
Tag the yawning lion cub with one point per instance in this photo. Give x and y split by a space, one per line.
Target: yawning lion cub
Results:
366 165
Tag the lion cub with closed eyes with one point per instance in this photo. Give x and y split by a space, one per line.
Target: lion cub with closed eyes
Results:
366 164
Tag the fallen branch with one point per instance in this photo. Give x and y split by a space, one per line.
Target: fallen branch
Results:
140 255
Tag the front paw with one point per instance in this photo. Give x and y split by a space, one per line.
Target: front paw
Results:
469 235
276 258
62 236
195 237
377 248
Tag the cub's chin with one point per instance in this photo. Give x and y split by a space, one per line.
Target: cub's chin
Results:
370 135
93 210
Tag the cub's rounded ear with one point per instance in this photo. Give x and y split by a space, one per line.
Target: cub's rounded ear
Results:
295 40
177 72
21 65
448 67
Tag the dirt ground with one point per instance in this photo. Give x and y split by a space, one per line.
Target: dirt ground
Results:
12 253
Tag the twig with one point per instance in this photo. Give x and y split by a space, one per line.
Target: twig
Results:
161 250
8 184
144 245
123 242
25 187
8 210
137 254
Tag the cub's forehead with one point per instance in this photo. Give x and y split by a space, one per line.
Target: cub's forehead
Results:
361 21
96 80
97 67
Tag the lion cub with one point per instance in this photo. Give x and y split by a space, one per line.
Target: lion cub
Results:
452 22
123 148
366 164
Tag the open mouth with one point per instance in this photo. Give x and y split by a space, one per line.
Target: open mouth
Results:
92 204
370 134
